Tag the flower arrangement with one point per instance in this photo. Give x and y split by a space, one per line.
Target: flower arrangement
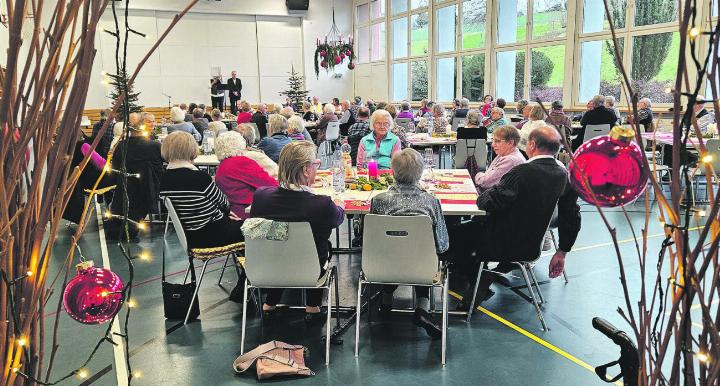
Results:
329 55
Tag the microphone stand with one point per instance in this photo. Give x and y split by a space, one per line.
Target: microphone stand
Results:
169 102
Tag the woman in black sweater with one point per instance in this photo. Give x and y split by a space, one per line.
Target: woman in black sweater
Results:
203 209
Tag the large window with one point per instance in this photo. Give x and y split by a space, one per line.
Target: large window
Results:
419 79
473 24
473 77
446 79
370 31
419 34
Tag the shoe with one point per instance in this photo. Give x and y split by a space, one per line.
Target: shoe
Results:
384 310
464 305
315 318
422 318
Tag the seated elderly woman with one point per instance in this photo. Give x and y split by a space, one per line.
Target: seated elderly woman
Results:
253 152
295 129
473 127
321 126
177 116
406 198
405 110
439 121
288 113
298 166
380 144
497 119
535 121
238 176
505 141
309 114
277 124
244 113
217 125
202 207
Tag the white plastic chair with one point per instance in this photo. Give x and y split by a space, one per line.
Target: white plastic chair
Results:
405 122
291 263
592 131
202 254
458 122
400 250
470 147
332 133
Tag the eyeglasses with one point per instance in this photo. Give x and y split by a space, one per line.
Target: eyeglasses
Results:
316 163
382 124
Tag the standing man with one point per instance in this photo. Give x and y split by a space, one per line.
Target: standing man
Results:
234 85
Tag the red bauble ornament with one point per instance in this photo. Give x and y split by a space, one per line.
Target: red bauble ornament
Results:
94 295
348 53
322 53
351 66
342 57
323 64
337 60
613 166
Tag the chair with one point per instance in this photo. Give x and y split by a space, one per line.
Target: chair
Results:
256 131
526 267
407 123
332 133
291 263
592 131
457 122
202 254
401 250
467 148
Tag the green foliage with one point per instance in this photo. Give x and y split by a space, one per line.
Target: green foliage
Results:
296 92
473 77
419 76
120 85
649 53
331 51
542 69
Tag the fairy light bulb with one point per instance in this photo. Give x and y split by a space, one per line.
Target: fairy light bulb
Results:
702 357
82 373
694 32
707 159
131 303
21 342
142 226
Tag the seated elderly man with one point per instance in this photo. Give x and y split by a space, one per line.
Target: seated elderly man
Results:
461 112
259 118
357 131
278 138
497 119
519 210
199 121
505 141
177 116
598 115
406 198
254 153
347 119
321 126
645 114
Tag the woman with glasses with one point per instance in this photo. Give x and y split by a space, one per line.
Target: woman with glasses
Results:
504 143
381 143
295 201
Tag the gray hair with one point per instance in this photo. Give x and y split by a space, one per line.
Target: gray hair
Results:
179 146
405 106
216 115
294 157
295 125
177 115
277 124
438 109
329 108
497 110
198 113
247 132
474 117
464 103
507 133
598 100
521 105
229 144
407 166
610 101
376 114
287 112
647 101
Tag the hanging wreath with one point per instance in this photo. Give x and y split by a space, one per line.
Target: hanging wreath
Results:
328 56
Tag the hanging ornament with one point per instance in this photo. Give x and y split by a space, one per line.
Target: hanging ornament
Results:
342 57
613 166
333 49
323 53
94 296
351 66
337 60
348 53
323 64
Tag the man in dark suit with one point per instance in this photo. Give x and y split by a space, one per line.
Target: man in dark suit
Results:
598 115
519 209
260 119
234 86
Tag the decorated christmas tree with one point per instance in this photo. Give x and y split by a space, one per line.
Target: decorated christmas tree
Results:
120 84
297 92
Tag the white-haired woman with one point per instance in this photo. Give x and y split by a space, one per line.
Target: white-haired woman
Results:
406 198
497 119
294 201
440 123
296 127
253 152
238 176
321 127
277 125
177 116
381 143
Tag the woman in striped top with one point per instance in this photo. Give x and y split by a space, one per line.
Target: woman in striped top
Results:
203 209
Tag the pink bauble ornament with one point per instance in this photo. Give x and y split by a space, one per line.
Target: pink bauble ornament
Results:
322 53
337 60
351 66
94 295
613 166
323 64
348 53
342 57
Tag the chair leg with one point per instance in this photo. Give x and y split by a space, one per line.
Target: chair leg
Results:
337 298
552 238
357 317
532 296
187 272
197 289
445 315
471 309
237 267
327 324
222 272
244 319
565 277
535 281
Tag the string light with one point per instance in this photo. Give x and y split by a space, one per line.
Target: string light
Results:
142 226
82 373
131 303
702 357
137 374
144 256
701 213
16 369
694 32
668 90
29 273
21 342
707 158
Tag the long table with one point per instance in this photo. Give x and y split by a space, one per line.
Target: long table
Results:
666 138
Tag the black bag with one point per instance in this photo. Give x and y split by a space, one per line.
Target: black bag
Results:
471 162
177 297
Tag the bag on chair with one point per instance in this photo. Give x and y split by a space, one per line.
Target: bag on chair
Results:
177 297
272 359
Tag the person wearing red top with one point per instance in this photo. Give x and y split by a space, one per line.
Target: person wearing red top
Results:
238 176
244 113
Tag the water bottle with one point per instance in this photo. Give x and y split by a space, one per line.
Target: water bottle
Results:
430 125
208 142
338 176
346 159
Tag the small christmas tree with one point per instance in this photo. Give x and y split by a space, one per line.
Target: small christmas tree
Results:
120 83
297 92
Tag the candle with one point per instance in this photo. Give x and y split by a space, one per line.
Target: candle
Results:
372 169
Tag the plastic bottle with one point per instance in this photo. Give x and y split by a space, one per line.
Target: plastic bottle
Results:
430 124
347 159
338 176
208 142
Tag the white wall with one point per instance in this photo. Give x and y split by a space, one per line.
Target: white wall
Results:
258 38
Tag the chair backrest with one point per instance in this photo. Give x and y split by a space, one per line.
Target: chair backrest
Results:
457 122
472 132
592 131
256 131
333 131
287 263
404 122
172 214
399 249
469 147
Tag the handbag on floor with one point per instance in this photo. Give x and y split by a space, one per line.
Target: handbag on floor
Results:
177 297
272 359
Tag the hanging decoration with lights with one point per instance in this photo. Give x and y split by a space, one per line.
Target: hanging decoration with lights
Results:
333 50
94 296
613 166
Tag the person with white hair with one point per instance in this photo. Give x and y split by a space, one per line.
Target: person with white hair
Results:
461 112
273 144
497 119
259 118
295 129
347 119
253 152
177 116
381 143
644 114
610 105
440 123
238 176
321 126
